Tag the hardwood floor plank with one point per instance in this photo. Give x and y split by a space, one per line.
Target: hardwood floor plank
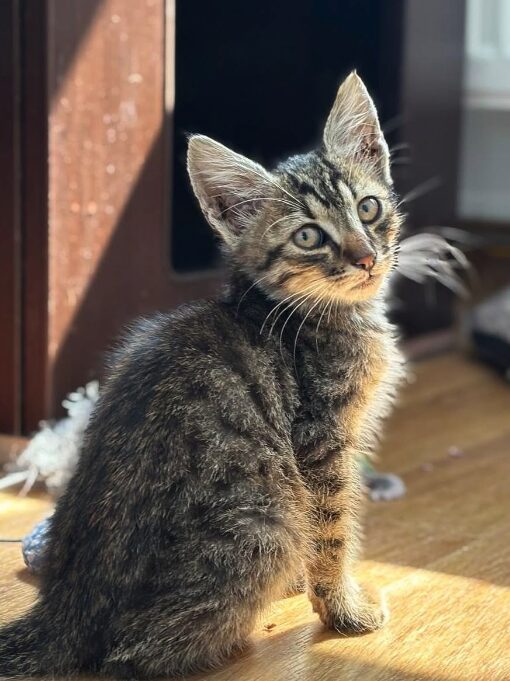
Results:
453 403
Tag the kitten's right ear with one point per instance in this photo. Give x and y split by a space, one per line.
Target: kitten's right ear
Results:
229 187
353 129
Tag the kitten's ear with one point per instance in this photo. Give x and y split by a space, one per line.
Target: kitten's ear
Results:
228 186
353 129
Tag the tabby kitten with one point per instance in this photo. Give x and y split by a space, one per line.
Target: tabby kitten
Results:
221 460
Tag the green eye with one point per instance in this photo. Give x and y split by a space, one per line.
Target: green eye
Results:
309 237
369 209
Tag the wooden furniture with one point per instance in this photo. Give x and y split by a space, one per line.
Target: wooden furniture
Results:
440 554
88 234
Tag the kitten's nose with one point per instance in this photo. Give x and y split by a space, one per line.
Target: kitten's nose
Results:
365 261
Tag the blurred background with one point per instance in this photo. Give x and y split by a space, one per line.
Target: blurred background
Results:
98 221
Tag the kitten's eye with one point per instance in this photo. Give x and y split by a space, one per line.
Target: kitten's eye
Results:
309 237
369 209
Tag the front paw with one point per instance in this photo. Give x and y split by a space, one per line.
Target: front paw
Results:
352 615
296 586
363 618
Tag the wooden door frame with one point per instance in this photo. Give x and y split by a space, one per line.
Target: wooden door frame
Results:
10 205
34 154
131 273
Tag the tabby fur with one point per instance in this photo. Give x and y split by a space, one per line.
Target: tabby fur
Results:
221 462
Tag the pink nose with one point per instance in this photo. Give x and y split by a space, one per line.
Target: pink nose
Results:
365 263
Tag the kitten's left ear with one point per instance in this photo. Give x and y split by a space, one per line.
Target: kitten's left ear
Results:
353 129
229 187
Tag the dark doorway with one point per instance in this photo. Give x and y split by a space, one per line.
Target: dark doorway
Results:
260 77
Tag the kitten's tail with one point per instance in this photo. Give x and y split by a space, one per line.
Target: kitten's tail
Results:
21 643
28 647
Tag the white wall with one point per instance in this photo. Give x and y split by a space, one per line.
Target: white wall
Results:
484 191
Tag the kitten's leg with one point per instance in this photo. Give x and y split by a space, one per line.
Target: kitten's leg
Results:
161 642
335 595
296 585
218 581
199 627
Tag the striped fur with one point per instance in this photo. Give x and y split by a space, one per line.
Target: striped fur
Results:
221 463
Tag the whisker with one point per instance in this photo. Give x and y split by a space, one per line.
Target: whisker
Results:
249 289
273 310
298 331
285 217
399 146
296 298
393 124
258 198
336 308
271 180
400 161
295 200
292 295
323 312
329 303
420 189
296 308
329 314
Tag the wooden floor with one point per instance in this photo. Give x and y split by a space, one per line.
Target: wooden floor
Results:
441 555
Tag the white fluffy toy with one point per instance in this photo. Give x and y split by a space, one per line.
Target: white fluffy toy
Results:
52 454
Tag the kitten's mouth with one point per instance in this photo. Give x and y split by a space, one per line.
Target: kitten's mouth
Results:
367 282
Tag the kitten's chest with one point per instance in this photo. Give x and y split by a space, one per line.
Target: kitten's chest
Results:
331 374
343 382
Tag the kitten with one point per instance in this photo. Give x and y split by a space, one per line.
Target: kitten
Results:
222 457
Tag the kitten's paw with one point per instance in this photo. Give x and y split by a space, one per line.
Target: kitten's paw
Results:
354 617
364 618
296 586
